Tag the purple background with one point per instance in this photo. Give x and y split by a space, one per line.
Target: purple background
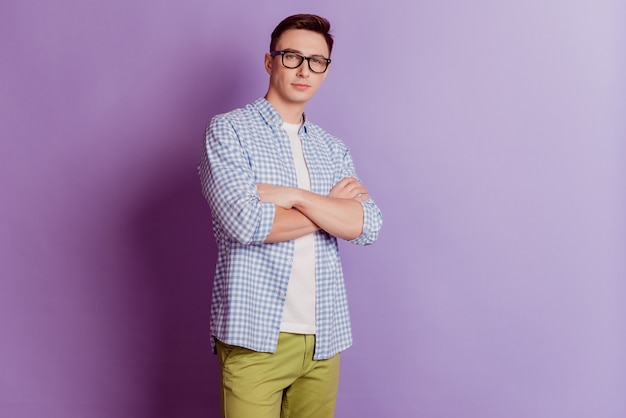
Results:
491 134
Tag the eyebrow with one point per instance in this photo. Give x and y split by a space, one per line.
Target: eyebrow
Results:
301 53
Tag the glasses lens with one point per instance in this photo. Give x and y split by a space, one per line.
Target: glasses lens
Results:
292 60
318 64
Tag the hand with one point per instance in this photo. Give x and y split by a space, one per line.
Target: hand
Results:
349 188
279 195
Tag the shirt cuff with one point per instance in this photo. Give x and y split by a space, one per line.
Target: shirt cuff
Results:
267 211
372 222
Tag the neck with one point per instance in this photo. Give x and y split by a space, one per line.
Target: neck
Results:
289 112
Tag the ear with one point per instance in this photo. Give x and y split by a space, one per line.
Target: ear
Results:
268 63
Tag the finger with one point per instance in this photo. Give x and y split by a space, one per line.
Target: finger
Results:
346 181
356 189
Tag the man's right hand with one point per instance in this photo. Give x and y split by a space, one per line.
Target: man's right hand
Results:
349 188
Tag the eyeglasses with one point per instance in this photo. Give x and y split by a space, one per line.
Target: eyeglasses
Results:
290 59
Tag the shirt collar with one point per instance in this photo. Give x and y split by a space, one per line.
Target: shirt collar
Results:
271 116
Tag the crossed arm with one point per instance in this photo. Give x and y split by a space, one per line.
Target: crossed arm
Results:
300 212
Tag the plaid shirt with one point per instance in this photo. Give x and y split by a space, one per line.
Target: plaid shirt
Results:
249 146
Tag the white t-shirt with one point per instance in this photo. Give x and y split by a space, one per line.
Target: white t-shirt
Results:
299 312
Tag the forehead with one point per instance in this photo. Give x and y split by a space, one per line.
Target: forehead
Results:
304 41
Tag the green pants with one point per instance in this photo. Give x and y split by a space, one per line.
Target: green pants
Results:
284 384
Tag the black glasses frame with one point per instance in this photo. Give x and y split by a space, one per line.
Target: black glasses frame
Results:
302 58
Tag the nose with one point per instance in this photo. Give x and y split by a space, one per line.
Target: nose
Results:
303 69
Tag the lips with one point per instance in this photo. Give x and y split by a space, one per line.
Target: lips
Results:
301 86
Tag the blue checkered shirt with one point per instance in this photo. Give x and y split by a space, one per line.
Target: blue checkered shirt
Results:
248 146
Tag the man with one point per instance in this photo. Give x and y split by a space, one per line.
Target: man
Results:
281 191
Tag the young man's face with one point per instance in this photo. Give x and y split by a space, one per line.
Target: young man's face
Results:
295 86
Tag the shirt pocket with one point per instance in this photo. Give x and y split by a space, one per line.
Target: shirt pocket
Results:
272 163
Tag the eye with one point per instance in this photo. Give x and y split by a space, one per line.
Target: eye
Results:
318 61
291 56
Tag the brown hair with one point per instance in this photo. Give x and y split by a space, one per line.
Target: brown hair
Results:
303 21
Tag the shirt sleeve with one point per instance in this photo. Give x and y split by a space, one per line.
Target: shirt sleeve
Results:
229 186
372 217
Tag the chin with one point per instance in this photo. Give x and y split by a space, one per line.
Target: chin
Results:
303 96
299 99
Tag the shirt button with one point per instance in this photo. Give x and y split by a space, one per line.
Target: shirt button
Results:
290 261
282 294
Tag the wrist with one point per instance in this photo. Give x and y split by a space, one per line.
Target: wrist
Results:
298 197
